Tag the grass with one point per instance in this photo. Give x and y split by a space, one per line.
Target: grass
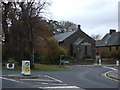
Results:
50 68
16 68
42 68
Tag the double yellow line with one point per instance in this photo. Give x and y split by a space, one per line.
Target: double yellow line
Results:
105 75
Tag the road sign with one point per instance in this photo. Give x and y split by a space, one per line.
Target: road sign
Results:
10 65
27 64
25 68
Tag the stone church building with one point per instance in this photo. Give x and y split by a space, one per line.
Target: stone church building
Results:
78 43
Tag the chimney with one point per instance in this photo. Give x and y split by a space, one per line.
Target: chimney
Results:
112 31
79 27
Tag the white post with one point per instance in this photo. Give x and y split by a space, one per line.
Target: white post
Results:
99 61
117 62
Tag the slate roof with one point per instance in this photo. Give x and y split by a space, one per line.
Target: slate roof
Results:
61 37
78 41
110 40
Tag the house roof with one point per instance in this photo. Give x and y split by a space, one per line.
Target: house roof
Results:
110 40
63 36
78 41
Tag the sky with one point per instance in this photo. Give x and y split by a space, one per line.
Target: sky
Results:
94 16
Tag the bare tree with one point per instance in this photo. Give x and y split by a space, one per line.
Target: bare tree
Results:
30 15
96 37
22 18
67 26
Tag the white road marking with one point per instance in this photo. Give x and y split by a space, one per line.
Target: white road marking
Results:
53 84
109 68
9 79
68 87
37 80
44 83
53 78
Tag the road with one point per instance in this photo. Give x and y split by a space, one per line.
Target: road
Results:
78 77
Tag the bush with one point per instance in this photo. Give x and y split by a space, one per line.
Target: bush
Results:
11 60
106 53
53 53
40 57
113 54
117 55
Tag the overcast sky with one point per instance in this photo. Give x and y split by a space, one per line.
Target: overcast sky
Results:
94 16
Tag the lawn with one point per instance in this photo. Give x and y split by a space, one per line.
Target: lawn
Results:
50 68
42 68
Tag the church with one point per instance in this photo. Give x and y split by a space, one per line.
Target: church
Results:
78 43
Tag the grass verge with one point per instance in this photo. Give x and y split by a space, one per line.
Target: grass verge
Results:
50 68
42 68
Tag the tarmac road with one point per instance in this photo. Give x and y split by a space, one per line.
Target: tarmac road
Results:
86 77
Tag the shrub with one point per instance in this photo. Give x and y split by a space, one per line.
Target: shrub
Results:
12 60
51 56
54 51
118 54
40 57
63 51
113 54
106 53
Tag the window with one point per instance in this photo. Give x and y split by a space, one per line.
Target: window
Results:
85 49
110 49
117 48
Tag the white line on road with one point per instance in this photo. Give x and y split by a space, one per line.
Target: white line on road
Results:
109 68
42 80
53 78
67 87
53 84
9 79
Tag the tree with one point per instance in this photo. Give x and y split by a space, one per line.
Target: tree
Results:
8 18
20 20
67 26
62 26
96 37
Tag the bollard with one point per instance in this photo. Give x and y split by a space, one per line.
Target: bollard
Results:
117 62
26 68
99 62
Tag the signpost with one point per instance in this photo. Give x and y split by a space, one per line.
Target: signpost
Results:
61 60
25 67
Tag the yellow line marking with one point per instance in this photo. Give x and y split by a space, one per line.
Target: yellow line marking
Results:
105 75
